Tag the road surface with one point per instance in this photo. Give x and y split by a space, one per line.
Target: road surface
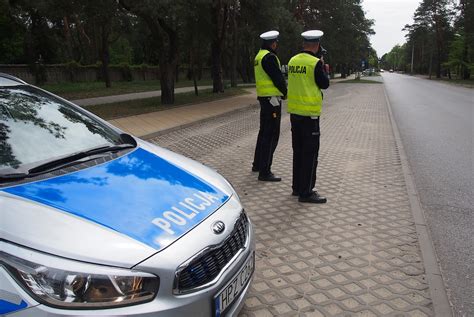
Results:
436 126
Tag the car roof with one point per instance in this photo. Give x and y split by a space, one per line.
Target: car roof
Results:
9 80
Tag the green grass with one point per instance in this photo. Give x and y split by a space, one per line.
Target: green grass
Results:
141 106
81 90
460 82
360 81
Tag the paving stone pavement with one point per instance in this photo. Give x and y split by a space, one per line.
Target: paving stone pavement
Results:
357 255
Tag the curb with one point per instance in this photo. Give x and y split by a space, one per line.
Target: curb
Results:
441 305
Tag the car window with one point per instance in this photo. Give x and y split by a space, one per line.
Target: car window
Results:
36 127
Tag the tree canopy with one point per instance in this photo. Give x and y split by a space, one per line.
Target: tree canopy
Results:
440 41
222 35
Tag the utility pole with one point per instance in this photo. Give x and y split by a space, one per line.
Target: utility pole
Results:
412 55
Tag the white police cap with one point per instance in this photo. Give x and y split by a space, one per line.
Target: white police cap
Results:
312 35
270 35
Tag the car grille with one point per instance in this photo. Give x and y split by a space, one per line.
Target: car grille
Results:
207 265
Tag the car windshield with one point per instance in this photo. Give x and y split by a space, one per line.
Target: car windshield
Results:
37 127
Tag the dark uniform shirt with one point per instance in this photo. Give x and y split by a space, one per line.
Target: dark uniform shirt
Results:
270 66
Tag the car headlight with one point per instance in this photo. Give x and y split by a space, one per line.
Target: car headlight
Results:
94 287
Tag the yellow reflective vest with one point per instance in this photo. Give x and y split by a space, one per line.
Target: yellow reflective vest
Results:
265 86
304 96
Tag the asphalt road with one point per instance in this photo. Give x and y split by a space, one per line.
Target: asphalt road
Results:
436 126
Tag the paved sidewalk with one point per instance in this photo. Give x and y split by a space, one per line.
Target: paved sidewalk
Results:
357 255
148 124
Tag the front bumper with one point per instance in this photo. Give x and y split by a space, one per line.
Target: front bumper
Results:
199 303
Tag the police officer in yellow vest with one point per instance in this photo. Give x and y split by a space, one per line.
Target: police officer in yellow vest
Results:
306 78
271 88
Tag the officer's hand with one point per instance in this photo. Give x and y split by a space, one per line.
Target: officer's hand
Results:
326 68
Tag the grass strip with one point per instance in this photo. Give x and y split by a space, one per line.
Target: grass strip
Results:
141 106
82 90
468 83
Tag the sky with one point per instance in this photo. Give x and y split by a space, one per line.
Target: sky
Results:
390 17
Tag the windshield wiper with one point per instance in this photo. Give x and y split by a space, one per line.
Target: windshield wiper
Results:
52 166
76 157
12 177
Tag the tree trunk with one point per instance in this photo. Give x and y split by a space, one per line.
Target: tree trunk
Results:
88 53
233 63
219 11
105 69
438 65
466 74
167 77
233 71
247 67
105 66
439 44
168 63
169 53
422 68
104 55
243 71
343 71
192 71
67 35
196 92
251 67
431 61
217 78
168 58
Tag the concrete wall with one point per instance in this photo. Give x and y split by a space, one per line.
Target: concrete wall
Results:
64 73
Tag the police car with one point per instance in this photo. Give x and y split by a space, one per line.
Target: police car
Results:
96 222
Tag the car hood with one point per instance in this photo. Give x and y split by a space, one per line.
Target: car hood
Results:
116 213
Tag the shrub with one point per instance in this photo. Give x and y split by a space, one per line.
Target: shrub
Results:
72 68
125 71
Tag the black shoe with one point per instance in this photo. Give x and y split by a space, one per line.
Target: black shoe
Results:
254 169
314 198
269 178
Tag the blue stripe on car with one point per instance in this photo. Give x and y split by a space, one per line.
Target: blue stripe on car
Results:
9 307
140 195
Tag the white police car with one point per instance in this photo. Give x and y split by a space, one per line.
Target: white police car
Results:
96 222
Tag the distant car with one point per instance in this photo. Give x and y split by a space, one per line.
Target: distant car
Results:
391 70
97 222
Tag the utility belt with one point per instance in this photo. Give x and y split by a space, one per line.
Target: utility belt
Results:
273 100
302 117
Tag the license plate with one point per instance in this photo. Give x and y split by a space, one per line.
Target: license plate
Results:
233 289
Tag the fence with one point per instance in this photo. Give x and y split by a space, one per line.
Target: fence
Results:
76 73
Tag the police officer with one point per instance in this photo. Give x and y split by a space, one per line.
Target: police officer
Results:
271 88
306 78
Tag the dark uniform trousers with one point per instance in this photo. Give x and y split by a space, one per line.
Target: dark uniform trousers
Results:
268 135
305 140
